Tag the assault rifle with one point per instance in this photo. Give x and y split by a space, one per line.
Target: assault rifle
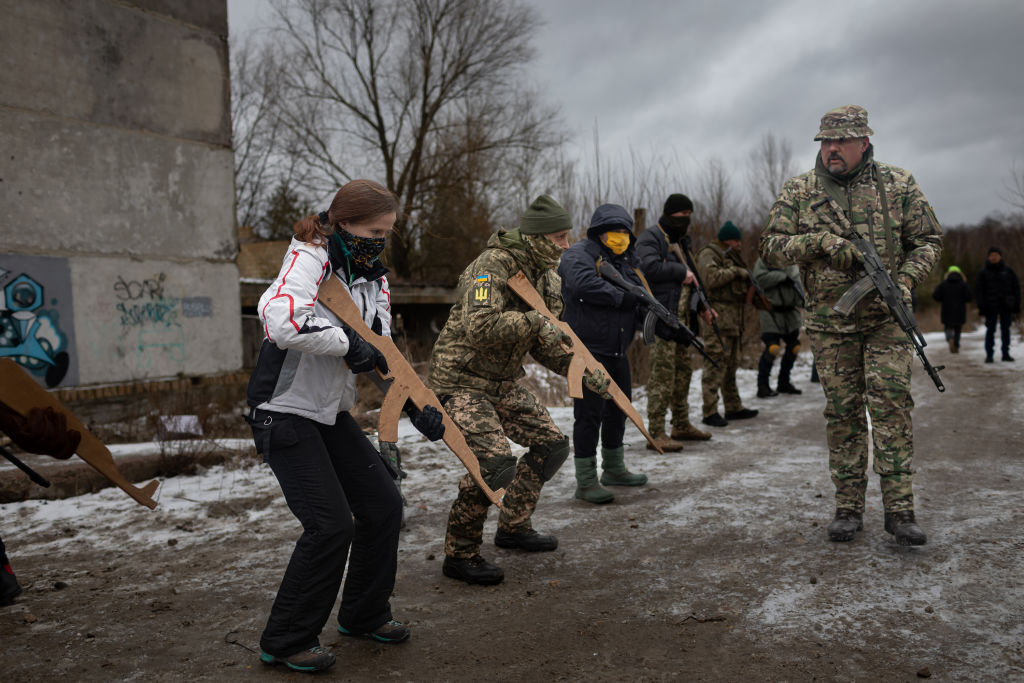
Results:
582 360
655 311
682 252
878 278
756 295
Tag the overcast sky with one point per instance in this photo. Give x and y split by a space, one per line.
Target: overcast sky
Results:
943 82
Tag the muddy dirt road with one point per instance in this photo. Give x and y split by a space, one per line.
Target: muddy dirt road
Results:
718 569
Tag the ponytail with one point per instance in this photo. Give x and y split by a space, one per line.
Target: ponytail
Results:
310 229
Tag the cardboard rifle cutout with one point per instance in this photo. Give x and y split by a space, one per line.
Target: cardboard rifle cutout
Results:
582 359
405 385
21 393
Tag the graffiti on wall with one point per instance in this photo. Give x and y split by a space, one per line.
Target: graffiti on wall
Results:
36 317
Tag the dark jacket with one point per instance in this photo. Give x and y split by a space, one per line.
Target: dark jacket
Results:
602 315
664 272
997 289
954 294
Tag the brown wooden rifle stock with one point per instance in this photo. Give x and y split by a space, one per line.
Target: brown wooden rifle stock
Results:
22 393
582 360
405 385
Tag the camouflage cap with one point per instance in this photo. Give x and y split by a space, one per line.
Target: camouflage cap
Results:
850 121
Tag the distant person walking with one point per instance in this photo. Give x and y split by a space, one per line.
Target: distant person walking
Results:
998 294
780 326
954 294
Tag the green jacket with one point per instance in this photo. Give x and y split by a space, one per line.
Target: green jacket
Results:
488 332
816 202
724 275
779 285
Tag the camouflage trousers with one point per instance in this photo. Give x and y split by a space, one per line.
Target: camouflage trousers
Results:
488 422
668 386
723 378
868 374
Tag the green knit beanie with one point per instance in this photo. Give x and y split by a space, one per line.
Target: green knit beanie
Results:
544 217
954 269
729 232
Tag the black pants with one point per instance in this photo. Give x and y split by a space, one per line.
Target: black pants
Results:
764 365
953 335
1003 318
338 487
594 414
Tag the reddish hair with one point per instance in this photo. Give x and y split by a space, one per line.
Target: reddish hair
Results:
357 201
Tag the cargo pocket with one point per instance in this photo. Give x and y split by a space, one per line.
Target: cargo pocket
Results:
272 431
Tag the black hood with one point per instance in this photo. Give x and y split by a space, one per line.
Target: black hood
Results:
608 216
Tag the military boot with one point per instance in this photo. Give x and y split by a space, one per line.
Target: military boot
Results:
587 486
472 570
614 469
530 540
666 444
903 526
689 433
765 391
786 387
844 525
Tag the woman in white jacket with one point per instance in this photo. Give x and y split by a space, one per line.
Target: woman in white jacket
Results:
299 396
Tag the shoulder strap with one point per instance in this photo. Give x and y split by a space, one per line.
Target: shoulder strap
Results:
890 241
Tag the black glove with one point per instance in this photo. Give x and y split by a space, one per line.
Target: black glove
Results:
43 431
679 334
363 356
429 422
629 301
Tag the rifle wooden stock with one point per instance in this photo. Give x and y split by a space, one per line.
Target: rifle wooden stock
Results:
405 385
582 360
22 393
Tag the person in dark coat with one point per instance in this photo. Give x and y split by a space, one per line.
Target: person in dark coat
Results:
997 292
605 318
954 294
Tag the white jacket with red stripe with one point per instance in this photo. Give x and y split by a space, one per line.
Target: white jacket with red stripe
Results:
302 370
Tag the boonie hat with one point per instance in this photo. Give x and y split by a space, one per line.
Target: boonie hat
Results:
849 121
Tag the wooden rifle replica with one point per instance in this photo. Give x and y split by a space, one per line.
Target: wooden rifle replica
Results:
582 360
21 393
405 385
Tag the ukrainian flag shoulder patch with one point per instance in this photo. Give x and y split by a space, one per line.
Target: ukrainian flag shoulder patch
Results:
482 290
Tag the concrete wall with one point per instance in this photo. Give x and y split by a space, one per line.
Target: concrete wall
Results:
117 171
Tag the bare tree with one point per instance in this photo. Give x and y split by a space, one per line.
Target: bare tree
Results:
715 202
771 165
1013 193
418 93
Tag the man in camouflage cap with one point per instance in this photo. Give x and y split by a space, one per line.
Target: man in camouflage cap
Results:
863 359
474 369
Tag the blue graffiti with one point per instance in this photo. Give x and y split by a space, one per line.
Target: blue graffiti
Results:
31 335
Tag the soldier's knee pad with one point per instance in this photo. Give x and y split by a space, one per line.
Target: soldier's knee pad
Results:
774 349
547 458
499 471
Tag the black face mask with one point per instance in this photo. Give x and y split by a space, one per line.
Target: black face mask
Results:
675 226
362 250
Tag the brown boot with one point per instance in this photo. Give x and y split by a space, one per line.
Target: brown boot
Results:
666 444
689 433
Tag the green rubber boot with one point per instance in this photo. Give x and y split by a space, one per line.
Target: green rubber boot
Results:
615 472
587 487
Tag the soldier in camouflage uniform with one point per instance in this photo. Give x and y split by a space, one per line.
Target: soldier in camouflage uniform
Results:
727 279
864 360
474 370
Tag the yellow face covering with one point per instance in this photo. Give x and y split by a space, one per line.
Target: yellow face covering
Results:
616 241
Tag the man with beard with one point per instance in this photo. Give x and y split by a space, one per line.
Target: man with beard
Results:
474 370
863 359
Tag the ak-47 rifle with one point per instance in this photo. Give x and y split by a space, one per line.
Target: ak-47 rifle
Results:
878 278
21 393
582 360
655 311
405 385
682 252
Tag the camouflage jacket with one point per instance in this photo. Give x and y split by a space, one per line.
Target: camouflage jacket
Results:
726 286
488 332
817 202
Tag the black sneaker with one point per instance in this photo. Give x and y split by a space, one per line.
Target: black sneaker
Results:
473 570
307 661
9 588
1007 357
787 388
530 541
715 420
844 525
741 414
903 526
390 632
765 391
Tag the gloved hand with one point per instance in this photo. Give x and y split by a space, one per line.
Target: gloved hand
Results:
429 422
598 382
841 253
739 273
42 430
550 333
362 356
